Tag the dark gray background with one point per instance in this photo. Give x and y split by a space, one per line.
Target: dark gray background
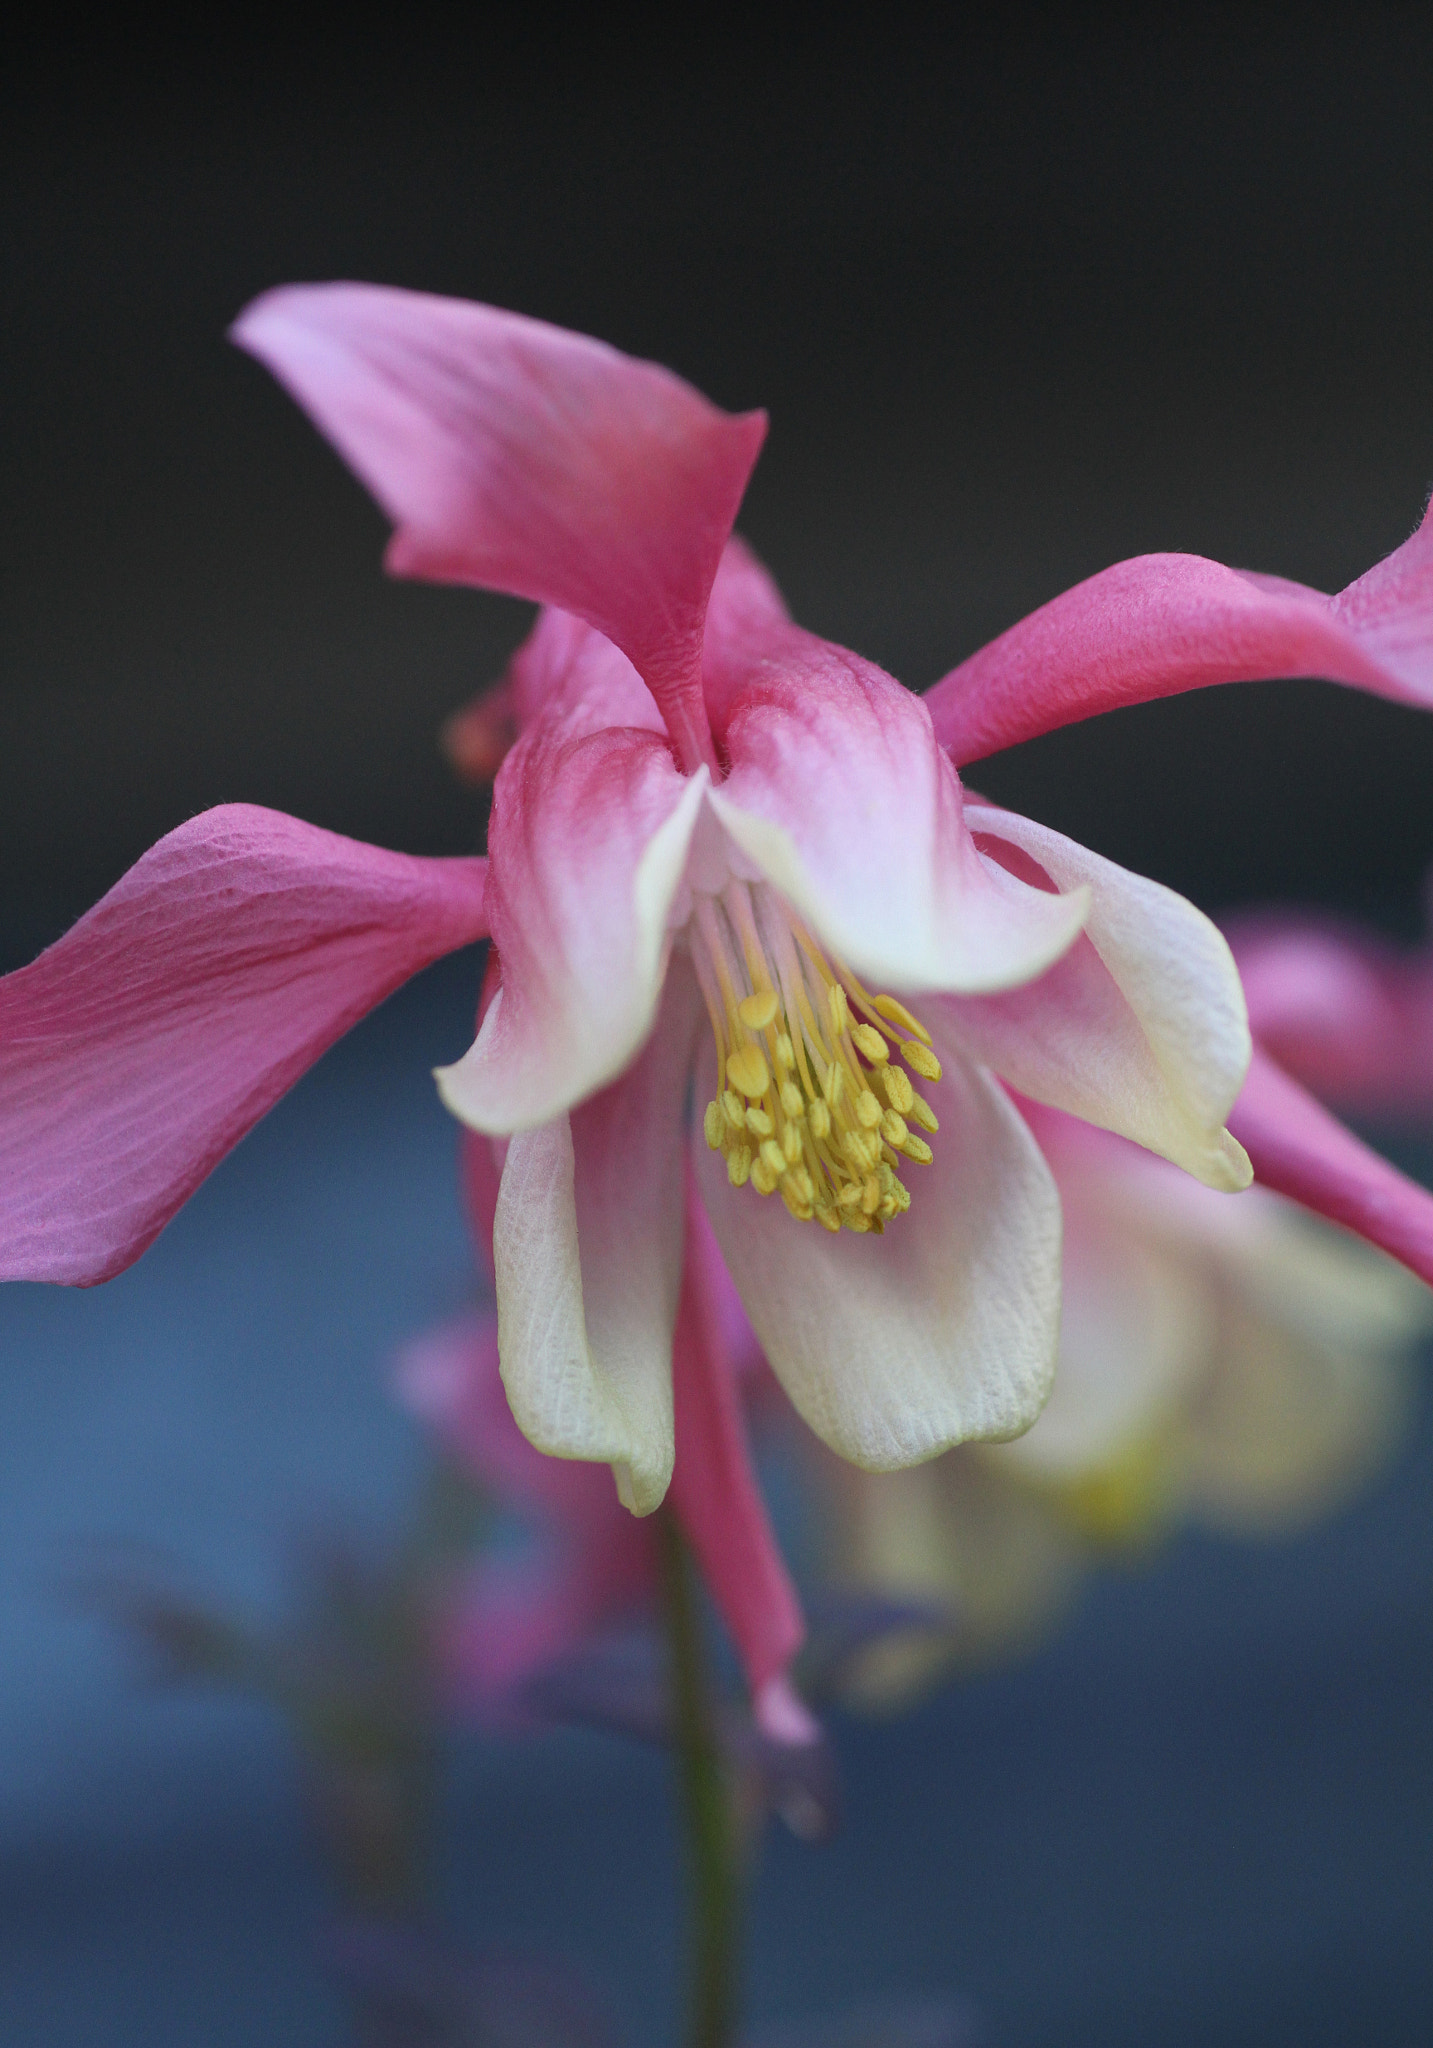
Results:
1018 308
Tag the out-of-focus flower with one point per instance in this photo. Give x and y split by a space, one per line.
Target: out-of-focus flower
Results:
584 1563
706 807
1346 1013
1243 1366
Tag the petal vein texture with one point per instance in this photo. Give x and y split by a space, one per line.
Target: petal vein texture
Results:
140 1048
1160 624
516 456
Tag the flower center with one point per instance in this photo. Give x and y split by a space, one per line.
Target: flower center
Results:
811 1102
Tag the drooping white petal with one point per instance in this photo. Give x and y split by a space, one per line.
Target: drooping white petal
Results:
942 1329
587 1253
1140 1028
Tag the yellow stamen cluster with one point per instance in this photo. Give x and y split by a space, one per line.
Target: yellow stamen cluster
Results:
811 1104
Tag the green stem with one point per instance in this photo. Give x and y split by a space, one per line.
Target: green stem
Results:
707 1808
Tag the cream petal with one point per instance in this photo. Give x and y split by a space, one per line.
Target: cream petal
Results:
587 1252
1140 1028
942 1329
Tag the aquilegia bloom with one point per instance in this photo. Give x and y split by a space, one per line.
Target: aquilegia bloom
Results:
724 856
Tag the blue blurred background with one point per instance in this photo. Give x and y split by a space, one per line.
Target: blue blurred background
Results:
1019 308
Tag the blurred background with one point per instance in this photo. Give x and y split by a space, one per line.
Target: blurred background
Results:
1047 295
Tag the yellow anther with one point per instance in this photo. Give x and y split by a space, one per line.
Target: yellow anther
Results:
897 1013
746 1069
808 1100
862 1149
869 1041
922 1059
899 1092
757 1011
920 1112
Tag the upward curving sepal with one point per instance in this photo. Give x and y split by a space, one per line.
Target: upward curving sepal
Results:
522 458
1161 624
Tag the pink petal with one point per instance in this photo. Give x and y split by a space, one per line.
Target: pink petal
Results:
522 458
746 615
588 842
840 797
893 1348
148 1040
1299 1150
714 1491
512 1616
1139 1028
1159 624
564 658
1344 1012
587 1246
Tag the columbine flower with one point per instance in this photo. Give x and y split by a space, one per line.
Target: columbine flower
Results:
1240 1366
723 853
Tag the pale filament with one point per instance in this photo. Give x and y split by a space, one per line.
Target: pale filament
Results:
811 1104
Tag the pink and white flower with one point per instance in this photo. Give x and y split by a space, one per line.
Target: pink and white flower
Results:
724 853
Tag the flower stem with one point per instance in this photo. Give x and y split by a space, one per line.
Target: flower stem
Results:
707 1807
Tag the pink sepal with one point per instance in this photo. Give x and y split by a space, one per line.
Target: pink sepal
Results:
714 1492
1301 1151
1160 624
519 457
143 1045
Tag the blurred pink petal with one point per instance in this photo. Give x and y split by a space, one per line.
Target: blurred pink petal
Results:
589 1562
523 458
1299 1150
1160 624
714 1491
1346 1013
157 1031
